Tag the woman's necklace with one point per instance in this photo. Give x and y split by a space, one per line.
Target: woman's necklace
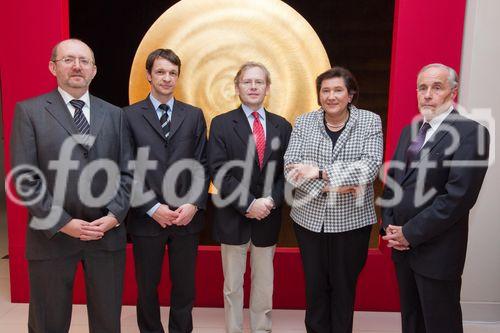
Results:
337 126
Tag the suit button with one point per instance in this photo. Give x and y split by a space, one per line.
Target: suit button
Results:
324 194
166 145
86 154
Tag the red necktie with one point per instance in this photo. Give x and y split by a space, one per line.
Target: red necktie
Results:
259 137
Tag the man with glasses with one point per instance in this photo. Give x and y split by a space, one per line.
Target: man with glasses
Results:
441 163
256 140
81 231
171 131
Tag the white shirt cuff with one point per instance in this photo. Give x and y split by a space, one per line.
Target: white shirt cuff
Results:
153 209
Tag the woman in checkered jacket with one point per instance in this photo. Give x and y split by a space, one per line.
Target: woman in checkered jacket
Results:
333 157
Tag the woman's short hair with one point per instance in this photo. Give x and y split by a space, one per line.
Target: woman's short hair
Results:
337 71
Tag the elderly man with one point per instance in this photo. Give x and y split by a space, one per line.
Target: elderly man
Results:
60 142
439 169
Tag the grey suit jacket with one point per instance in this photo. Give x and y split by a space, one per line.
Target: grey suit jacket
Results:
355 160
41 126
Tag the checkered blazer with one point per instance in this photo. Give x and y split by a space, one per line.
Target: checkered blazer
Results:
355 160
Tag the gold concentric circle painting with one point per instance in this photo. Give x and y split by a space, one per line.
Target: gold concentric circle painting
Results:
213 38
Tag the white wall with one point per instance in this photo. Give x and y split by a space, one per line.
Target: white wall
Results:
480 91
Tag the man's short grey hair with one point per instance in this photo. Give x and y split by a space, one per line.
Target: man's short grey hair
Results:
452 74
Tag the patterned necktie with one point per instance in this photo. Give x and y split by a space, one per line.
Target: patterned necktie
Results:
416 144
259 137
81 122
165 120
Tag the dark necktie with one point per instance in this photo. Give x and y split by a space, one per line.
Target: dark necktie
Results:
81 122
416 144
260 137
165 120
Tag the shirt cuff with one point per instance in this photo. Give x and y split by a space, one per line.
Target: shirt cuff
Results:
250 206
113 215
271 198
153 209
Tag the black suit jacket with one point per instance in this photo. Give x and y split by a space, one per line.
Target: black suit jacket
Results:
230 134
437 230
41 126
187 140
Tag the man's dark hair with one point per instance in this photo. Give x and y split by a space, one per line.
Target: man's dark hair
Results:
167 54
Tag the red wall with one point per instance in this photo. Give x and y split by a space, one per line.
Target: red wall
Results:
425 31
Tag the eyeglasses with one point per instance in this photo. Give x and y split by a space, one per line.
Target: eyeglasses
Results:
70 61
249 83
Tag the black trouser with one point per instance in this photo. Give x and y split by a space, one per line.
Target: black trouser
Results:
428 305
332 263
51 291
148 256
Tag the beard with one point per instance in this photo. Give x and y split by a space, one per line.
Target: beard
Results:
430 112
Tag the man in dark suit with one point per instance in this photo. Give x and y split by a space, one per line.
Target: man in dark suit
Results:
172 131
57 139
435 184
250 195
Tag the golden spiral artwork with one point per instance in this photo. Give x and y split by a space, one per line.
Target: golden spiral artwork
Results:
214 38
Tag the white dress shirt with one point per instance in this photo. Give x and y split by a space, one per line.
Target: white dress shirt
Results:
68 98
156 104
262 116
435 122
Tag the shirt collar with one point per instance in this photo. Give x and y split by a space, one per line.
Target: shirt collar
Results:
248 112
68 98
436 121
156 103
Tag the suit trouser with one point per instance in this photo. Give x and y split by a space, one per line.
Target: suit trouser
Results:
234 259
428 305
148 256
51 291
332 263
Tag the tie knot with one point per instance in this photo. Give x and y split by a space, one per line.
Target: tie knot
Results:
256 115
77 104
164 107
425 127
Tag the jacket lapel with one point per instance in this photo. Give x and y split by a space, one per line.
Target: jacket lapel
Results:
441 133
58 109
244 132
341 141
97 117
178 116
149 114
272 131
431 143
401 155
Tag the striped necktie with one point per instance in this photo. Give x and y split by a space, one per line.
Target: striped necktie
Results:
165 120
259 136
81 122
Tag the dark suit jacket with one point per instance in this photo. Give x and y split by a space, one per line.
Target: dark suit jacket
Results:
437 230
228 141
187 140
41 125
